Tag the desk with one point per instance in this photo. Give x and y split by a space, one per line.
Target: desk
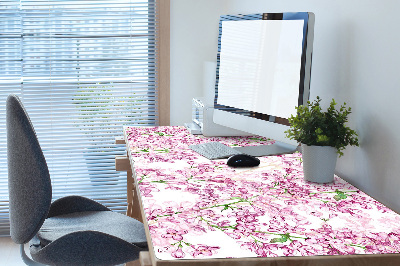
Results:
205 213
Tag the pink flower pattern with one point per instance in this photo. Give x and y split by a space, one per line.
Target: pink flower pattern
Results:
197 208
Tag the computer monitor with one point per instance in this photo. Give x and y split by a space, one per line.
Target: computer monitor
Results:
263 73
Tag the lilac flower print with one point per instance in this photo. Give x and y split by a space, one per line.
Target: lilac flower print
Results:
261 249
147 190
217 179
179 207
346 235
366 223
210 215
288 171
291 249
202 169
378 242
208 194
347 248
381 207
345 208
317 213
252 186
174 234
194 189
395 241
245 221
276 224
243 190
362 201
178 253
172 187
235 234
198 228
390 222
200 205
203 250
244 229
311 241
229 182
159 241
270 211
153 213
240 192
246 216
288 211
331 250
299 248
309 250
300 224
223 224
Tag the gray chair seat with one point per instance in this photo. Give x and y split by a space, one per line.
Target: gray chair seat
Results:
107 222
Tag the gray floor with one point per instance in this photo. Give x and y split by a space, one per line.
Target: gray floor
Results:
9 253
10 256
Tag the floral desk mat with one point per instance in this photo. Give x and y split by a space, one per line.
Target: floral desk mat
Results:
197 208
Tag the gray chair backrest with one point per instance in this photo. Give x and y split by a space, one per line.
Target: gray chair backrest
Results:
29 183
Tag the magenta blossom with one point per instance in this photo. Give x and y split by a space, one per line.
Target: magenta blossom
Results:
174 234
203 251
178 253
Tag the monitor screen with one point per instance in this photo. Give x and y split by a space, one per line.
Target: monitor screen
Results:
260 64
263 71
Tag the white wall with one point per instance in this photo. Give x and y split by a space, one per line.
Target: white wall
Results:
356 60
194 41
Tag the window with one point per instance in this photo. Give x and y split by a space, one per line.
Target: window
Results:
83 69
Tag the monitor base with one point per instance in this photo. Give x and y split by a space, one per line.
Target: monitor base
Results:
278 148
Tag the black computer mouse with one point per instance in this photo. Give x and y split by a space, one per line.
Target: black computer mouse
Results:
242 160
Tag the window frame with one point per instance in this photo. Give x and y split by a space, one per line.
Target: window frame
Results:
163 36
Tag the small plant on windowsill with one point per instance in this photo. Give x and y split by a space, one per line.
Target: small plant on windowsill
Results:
319 130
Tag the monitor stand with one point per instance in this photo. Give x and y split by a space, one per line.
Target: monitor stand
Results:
277 148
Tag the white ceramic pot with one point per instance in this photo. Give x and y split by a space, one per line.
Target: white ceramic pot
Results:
319 163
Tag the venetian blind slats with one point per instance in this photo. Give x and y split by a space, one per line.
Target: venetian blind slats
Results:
83 70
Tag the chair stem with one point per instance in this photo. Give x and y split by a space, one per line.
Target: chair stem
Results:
26 259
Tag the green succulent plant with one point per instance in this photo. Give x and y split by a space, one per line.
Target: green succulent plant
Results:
312 126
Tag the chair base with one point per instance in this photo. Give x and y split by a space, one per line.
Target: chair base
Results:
26 259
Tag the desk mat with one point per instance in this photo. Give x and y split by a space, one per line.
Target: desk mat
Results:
197 208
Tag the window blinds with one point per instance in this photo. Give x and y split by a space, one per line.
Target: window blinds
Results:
83 69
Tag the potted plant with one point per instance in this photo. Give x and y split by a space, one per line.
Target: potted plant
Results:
323 135
96 106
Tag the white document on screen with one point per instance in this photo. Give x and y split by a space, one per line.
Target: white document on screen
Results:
260 63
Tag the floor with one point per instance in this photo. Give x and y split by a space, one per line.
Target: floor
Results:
10 256
9 253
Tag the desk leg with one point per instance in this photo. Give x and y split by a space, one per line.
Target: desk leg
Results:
129 192
133 263
134 212
133 199
144 260
122 164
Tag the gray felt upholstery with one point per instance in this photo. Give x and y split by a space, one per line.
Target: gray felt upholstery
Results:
28 176
70 231
128 229
85 248
71 204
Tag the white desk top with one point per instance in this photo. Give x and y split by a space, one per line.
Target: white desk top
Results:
196 208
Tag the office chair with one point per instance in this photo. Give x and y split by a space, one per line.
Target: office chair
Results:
70 231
